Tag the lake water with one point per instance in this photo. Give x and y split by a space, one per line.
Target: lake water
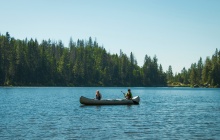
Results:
163 113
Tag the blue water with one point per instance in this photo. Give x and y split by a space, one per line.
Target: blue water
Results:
163 113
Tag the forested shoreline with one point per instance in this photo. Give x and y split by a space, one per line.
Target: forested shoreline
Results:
200 74
85 63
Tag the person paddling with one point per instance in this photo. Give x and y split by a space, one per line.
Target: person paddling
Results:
128 95
98 95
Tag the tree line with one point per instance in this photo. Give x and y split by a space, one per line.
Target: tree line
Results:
82 63
200 74
86 63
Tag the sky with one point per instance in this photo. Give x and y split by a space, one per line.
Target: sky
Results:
177 32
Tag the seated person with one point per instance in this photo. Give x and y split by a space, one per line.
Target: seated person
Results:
98 95
128 95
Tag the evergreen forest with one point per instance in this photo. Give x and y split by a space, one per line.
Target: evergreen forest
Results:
200 74
86 63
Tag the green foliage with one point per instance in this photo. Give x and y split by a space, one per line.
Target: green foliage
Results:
201 74
83 63
170 74
152 74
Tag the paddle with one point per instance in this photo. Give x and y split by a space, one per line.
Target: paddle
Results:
123 93
131 99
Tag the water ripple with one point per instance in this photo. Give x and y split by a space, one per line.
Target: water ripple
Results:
55 113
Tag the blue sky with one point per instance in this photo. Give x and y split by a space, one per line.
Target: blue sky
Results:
178 32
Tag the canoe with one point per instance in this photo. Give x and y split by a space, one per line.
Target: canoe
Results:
87 101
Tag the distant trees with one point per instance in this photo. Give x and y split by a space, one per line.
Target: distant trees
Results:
170 74
153 74
205 74
82 63
85 63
